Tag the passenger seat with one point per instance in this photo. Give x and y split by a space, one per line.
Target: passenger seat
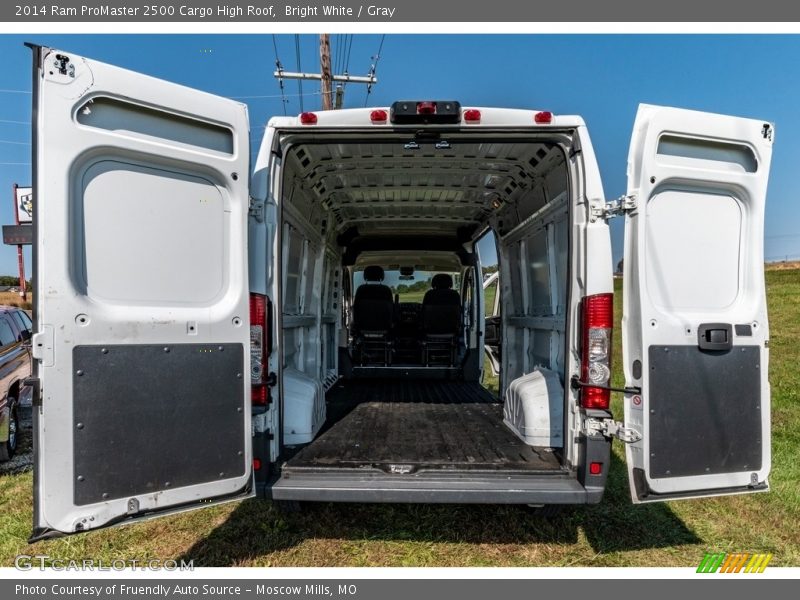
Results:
373 312
441 322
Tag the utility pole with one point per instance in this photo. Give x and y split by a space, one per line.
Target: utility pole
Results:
325 68
326 78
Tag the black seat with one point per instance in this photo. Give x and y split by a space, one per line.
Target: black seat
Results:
373 312
441 321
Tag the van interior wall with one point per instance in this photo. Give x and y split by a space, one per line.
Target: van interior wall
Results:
311 281
533 247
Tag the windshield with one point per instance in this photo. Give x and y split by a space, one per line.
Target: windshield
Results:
410 288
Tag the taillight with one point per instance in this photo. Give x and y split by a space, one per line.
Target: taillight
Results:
472 116
308 118
258 348
543 117
598 324
378 116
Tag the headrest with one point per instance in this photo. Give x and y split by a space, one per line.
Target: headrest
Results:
442 281
373 273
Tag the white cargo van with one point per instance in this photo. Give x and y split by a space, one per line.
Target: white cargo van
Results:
206 333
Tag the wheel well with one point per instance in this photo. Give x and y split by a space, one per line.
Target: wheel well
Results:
13 391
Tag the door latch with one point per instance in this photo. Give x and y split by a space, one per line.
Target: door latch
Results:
613 208
611 428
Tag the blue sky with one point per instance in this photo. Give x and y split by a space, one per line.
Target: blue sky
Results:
601 77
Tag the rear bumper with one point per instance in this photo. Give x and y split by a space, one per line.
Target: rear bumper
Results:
432 488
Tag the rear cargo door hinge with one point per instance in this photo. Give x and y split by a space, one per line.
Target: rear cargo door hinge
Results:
614 208
256 209
611 428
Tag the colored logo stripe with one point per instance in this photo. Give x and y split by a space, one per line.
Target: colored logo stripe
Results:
733 563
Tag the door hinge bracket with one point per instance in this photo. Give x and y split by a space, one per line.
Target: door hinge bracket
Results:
256 209
611 428
613 208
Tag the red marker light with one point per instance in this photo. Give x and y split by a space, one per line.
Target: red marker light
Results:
378 116
308 118
595 468
256 464
472 116
426 108
543 118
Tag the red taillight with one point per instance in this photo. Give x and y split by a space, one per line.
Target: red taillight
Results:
595 468
426 108
257 464
258 348
472 116
308 118
598 325
378 116
543 117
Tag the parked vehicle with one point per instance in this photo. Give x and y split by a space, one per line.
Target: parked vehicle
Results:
15 367
203 336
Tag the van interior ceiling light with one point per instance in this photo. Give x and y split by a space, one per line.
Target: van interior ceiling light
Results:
598 322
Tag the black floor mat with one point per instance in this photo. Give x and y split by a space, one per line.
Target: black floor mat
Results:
391 424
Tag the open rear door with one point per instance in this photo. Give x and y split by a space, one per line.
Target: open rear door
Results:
141 310
695 331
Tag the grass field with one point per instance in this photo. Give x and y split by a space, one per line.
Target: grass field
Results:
614 533
13 299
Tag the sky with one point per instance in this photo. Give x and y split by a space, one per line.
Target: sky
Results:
603 78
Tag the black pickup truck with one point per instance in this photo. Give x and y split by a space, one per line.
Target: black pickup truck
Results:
15 367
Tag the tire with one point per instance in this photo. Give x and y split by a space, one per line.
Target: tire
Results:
9 447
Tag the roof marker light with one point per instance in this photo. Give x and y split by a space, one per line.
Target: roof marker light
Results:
543 118
472 116
308 118
426 108
378 116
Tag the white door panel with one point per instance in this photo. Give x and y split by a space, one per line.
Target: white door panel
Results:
695 322
142 298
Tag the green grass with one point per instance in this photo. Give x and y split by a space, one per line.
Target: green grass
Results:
614 533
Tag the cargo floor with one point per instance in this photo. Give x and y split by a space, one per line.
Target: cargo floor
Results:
409 425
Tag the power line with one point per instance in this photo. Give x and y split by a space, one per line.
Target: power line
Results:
274 96
15 91
347 61
15 122
13 142
280 70
782 236
16 163
374 68
299 69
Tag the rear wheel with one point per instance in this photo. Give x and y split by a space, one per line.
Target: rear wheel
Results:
9 447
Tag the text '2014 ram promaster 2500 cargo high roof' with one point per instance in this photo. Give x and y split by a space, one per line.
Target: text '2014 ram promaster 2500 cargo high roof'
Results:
316 330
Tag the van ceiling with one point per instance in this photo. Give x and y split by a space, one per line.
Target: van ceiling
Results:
388 188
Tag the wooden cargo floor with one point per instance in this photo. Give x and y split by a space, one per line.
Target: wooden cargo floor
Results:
407 425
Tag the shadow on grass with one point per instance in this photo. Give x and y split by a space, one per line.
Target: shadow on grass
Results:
257 528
